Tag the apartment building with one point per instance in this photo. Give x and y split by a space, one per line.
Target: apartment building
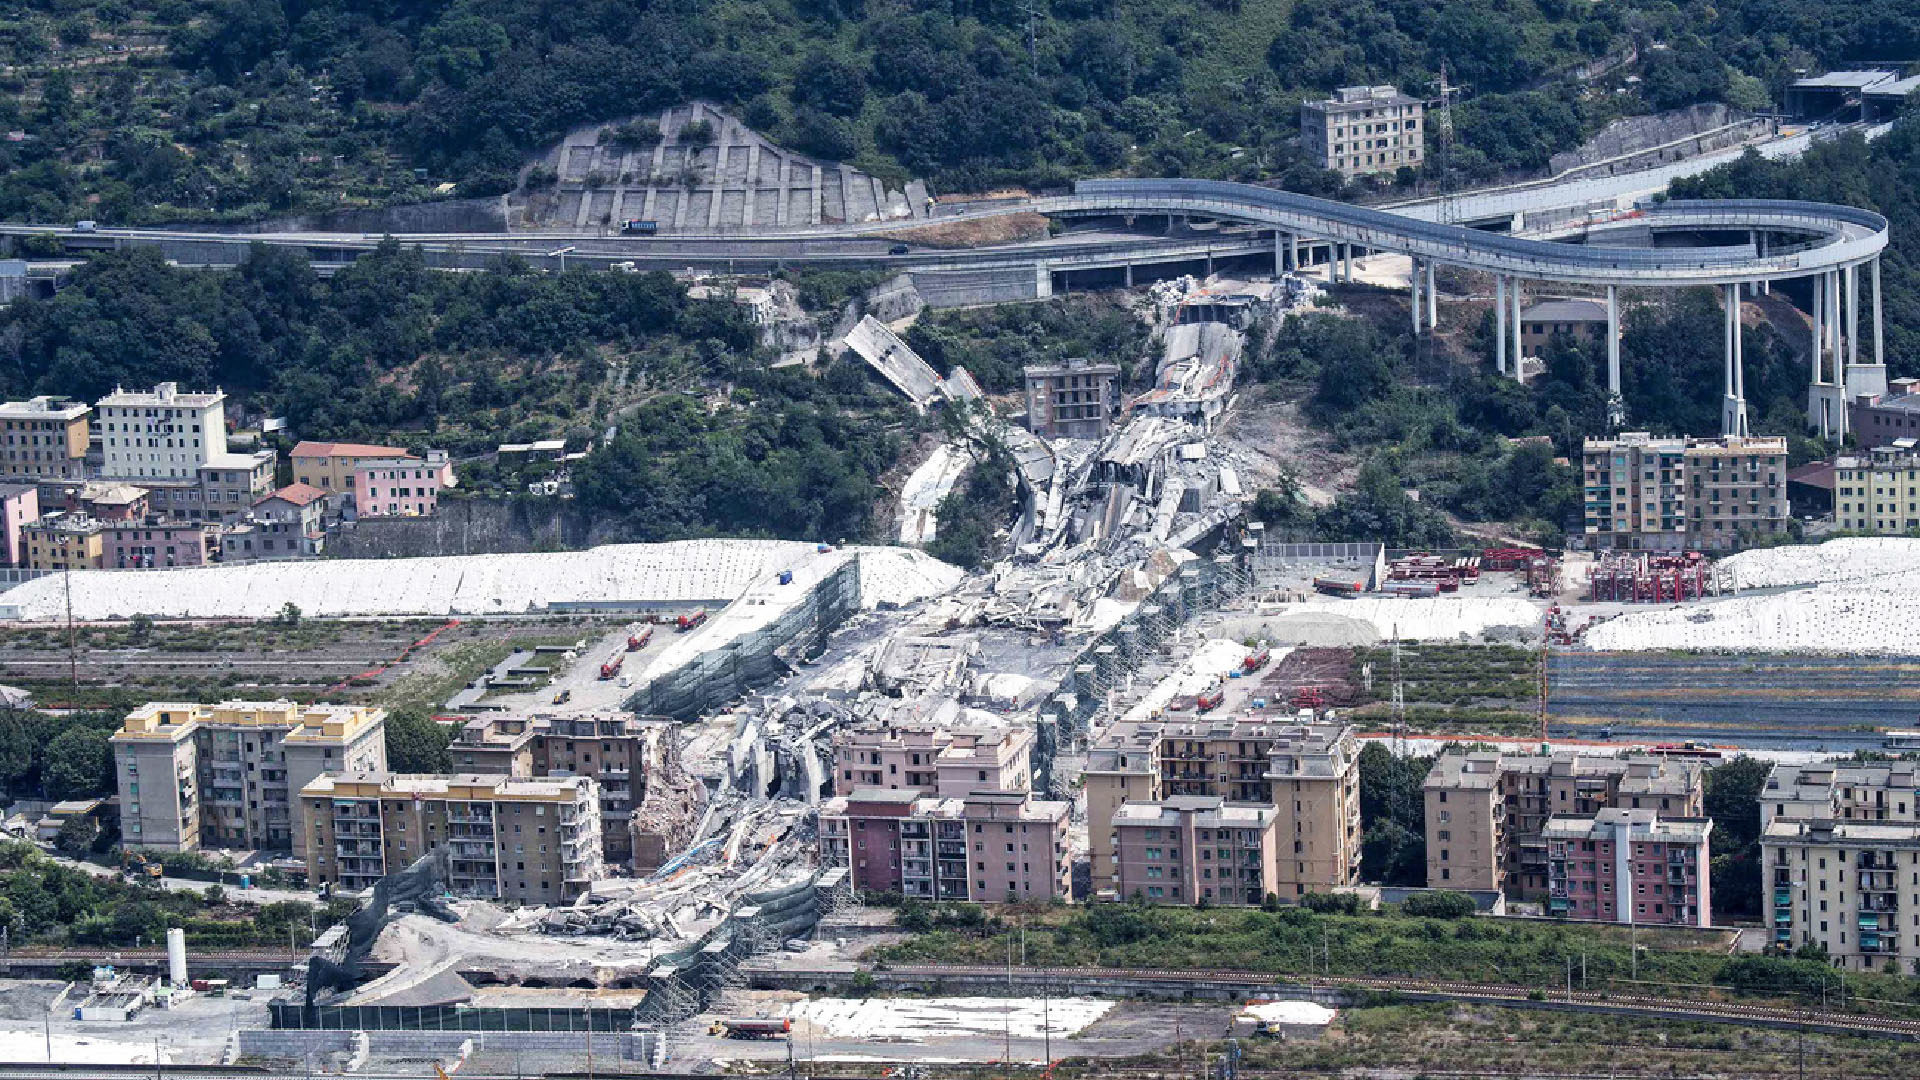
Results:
1630 866
1649 494
1879 492
175 444
612 748
1074 400
1191 848
19 507
287 524
1365 129
988 846
334 468
1736 486
395 487
226 775
1306 774
1487 812
1840 861
932 758
1575 320
131 545
44 437
527 841
1877 420
64 542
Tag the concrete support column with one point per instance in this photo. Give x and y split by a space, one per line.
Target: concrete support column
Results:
1042 282
1819 336
1500 324
1615 400
1519 368
1433 303
1879 342
1413 296
1129 275
1733 418
1839 359
1293 252
1853 316
1279 255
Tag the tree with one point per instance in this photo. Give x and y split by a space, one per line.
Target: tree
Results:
289 616
1393 847
140 629
1733 802
416 743
79 764
77 835
1440 904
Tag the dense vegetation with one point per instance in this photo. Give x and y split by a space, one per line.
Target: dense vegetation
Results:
1391 942
56 757
1393 816
170 108
389 350
42 900
995 343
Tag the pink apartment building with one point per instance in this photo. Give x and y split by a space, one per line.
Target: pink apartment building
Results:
133 545
988 846
1195 847
932 759
396 487
1629 866
19 507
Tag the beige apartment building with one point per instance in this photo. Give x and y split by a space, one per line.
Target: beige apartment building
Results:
1191 848
1487 812
1306 775
228 775
612 748
1840 861
525 841
1365 129
1649 494
931 758
1880 491
44 437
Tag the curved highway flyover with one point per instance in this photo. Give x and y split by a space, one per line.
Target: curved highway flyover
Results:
1731 244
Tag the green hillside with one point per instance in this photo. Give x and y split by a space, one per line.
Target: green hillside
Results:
140 111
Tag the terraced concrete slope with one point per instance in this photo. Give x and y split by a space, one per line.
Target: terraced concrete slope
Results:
738 182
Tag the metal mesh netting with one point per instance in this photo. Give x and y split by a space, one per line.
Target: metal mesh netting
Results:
756 657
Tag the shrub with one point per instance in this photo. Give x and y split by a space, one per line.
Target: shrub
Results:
1440 904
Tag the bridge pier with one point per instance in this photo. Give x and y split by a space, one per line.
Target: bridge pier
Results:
1129 275
1733 412
1519 367
1433 302
1413 295
1500 323
1879 342
1616 401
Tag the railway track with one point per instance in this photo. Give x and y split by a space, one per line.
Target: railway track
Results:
1652 1005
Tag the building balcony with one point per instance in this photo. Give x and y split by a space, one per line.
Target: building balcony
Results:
1782 897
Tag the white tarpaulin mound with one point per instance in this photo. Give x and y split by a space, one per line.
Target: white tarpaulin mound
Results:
688 571
1836 560
1879 616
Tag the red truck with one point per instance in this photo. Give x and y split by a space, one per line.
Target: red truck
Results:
1256 660
636 642
612 667
1210 700
692 619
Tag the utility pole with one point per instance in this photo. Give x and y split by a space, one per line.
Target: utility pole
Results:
1031 8
73 648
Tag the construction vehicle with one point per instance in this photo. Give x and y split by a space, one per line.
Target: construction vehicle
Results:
612 667
752 1027
138 866
1339 586
692 619
1256 660
1307 697
1209 700
639 227
638 641
562 697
